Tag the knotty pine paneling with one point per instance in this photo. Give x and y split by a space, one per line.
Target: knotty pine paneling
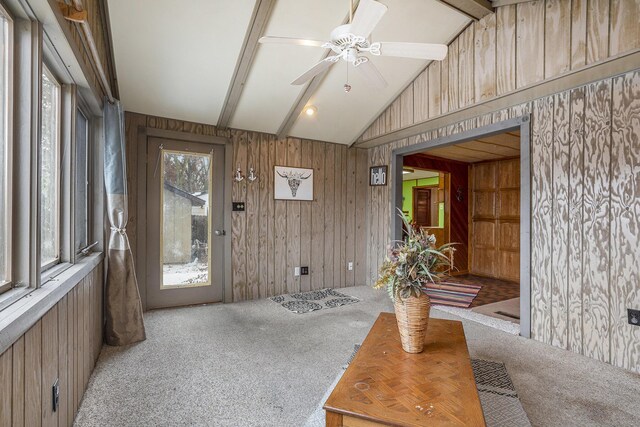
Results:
272 237
517 46
585 215
51 350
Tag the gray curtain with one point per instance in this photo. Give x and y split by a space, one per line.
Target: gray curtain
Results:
123 307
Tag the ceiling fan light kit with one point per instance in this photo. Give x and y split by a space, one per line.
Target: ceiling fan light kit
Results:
350 42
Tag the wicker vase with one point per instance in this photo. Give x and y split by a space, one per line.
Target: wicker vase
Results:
412 315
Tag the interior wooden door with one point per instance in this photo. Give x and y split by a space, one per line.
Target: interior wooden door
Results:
185 247
422 206
495 219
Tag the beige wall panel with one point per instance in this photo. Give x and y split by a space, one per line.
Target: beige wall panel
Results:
18 383
329 211
444 85
49 365
306 209
280 236
541 201
238 220
560 230
625 220
435 101
361 211
574 269
578 33
6 383
252 213
293 222
597 30
530 43
625 26
557 37
406 106
485 58
264 219
596 229
317 247
454 80
421 97
506 49
33 376
466 66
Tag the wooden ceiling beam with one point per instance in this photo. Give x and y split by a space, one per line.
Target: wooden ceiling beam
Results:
259 19
306 93
474 9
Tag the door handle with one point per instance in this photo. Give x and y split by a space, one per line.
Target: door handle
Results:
220 232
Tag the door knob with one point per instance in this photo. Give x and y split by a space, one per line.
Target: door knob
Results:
220 232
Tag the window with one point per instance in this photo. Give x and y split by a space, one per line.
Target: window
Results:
82 182
5 152
50 162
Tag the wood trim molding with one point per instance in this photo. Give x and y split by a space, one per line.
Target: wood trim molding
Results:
259 19
607 68
474 9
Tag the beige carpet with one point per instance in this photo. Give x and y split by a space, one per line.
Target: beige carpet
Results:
255 364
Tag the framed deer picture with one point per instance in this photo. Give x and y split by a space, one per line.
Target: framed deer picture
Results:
293 183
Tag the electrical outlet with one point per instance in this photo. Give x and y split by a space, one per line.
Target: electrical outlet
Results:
56 395
634 317
350 266
304 271
296 271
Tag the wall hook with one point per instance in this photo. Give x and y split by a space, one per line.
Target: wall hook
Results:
459 194
252 175
238 176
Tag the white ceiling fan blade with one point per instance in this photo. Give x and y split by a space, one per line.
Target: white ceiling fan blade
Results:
290 40
414 50
314 71
367 16
372 74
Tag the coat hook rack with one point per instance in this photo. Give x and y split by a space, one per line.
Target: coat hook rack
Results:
238 176
252 175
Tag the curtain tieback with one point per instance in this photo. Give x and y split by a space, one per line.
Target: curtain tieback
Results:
121 231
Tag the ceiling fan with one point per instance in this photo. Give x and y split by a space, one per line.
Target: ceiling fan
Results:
351 41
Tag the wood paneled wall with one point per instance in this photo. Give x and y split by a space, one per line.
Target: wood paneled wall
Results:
272 236
495 219
518 46
64 344
585 215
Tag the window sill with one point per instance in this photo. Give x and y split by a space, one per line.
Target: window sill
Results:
17 318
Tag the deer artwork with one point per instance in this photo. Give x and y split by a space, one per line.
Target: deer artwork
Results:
294 179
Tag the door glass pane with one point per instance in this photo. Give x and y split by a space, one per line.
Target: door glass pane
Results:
186 219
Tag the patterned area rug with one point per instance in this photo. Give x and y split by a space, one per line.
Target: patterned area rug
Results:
498 397
453 294
305 302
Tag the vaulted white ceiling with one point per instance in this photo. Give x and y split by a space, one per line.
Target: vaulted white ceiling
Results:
176 59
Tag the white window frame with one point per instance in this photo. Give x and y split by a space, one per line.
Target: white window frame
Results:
60 146
7 167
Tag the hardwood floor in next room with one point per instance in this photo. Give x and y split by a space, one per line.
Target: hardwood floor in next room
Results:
493 290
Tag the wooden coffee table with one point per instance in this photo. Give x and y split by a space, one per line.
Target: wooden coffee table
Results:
383 385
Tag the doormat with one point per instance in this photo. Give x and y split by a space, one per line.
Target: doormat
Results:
452 294
498 397
305 302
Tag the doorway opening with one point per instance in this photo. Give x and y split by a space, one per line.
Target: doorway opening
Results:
472 189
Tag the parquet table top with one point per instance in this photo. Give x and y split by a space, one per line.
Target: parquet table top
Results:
385 385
